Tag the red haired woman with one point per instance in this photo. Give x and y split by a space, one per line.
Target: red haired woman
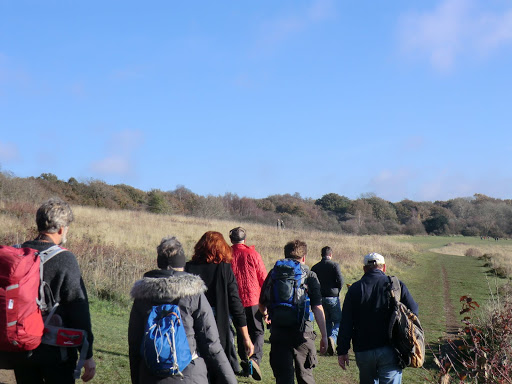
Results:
211 261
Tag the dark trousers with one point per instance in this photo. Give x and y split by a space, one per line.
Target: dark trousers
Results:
45 366
256 331
293 353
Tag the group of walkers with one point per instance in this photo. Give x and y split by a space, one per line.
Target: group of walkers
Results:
226 298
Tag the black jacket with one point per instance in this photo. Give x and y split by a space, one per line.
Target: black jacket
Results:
330 277
223 296
366 313
165 286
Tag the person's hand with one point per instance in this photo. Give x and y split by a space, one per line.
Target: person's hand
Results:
266 319
249 347
343 361
323 345
89 369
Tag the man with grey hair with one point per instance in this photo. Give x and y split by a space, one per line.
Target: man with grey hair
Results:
169 284
62 273
365 322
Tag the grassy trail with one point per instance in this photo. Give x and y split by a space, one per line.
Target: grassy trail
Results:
436 281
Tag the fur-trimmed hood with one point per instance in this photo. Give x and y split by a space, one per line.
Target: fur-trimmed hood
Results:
168 288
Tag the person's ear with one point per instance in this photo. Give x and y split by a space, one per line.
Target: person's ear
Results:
384 268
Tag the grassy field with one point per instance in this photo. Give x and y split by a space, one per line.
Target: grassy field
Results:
116 248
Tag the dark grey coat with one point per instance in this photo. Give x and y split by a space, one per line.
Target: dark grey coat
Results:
163 286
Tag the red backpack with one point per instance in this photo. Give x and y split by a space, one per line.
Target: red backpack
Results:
22 296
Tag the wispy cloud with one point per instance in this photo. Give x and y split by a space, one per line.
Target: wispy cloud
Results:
13 75
127 73
455 29
120 152
279 30
414 143
392 185
420 185
8 152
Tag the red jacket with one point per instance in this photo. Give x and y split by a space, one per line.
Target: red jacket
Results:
250 273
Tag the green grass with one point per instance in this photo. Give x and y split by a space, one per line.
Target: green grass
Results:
110 327
425 279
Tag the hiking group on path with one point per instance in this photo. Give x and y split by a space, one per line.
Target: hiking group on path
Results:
192 321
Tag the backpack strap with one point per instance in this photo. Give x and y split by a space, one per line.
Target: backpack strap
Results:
81 361
395 291
44 256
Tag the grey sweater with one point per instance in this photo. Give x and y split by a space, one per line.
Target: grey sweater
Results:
62 273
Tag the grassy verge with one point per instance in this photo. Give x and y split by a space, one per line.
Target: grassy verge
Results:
430 286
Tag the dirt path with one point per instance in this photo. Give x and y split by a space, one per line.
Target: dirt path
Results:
451 319
7 377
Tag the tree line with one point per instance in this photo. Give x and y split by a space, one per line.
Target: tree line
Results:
478 215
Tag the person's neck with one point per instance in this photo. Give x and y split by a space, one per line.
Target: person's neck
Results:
46 237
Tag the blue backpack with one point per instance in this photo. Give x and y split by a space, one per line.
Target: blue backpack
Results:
165 346
288 296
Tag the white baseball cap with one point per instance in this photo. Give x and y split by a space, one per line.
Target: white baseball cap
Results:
374 258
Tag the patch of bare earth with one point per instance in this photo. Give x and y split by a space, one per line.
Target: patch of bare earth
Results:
7 377
451 319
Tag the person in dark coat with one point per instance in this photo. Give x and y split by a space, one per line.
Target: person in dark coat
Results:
365 323
210 261
47 363
331 282
166 285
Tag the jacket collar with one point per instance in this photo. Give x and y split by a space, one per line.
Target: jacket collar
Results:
167 286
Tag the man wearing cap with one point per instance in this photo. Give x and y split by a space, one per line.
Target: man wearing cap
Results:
365 321
250 274
331 281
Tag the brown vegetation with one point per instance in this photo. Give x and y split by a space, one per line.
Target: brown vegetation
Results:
479 215
116 247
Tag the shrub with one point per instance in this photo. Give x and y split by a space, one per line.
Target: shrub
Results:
483 351
473 252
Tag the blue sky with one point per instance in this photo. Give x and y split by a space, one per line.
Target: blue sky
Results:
402 99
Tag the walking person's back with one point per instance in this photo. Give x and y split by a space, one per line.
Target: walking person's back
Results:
169 285
250 273
365 322
211 261
50 363
292 337
331 282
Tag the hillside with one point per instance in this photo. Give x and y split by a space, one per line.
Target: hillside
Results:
478 215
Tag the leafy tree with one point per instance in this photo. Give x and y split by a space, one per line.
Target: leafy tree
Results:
332 202
157 202
49 177
436 225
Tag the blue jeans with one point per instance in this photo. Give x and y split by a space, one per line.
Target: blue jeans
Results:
332 311
379 366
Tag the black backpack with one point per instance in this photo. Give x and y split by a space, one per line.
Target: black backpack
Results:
405 331
287 295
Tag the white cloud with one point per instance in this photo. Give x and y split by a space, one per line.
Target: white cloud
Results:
8 152
277 31
120 154
115 164
392 185
414 143
453 29
127 74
